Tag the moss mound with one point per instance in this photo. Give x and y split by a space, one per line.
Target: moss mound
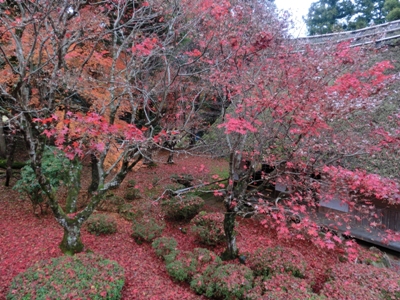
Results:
83 276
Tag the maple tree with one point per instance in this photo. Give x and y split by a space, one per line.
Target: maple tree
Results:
103 82
298 111
108 82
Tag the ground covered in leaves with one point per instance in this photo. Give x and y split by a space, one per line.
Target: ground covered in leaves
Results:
26 238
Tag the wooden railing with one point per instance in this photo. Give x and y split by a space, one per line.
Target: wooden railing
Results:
378 34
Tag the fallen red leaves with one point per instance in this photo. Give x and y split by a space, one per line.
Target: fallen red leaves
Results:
26 239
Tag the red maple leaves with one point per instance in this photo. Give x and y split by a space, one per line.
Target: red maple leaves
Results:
79 134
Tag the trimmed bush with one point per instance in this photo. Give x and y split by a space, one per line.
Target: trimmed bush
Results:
361 279
101 224
285 286
229 281
128 212
169 258
209 228
177 270
164 247
146 230
268 261
131 183
132 194
83 276
351 290
184 208
257 292
173 187
191 263
202 284
111 203
281 286
184 179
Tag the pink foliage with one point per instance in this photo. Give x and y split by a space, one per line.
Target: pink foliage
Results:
90 133
368 185
145 47
237 125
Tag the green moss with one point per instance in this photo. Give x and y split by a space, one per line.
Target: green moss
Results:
69 249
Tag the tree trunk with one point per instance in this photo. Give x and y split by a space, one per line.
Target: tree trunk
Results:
231 251
3 145
74 186
171 145
95 174
148 157
170 159
71 242
10 159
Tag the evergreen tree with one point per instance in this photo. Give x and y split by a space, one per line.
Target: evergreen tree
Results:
392 10
367 12
327 16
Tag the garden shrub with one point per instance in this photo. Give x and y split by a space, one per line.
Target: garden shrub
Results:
285 286
281 286
173 187
182 208
209 228
199 259
363 279
164 247
83 276
258 290
169 258
146 229
55 168
177 270
111 203
130 212
184 179
101 224
191 263
202 284
351 290
131 183
228 281
132 194
286 296
268 261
